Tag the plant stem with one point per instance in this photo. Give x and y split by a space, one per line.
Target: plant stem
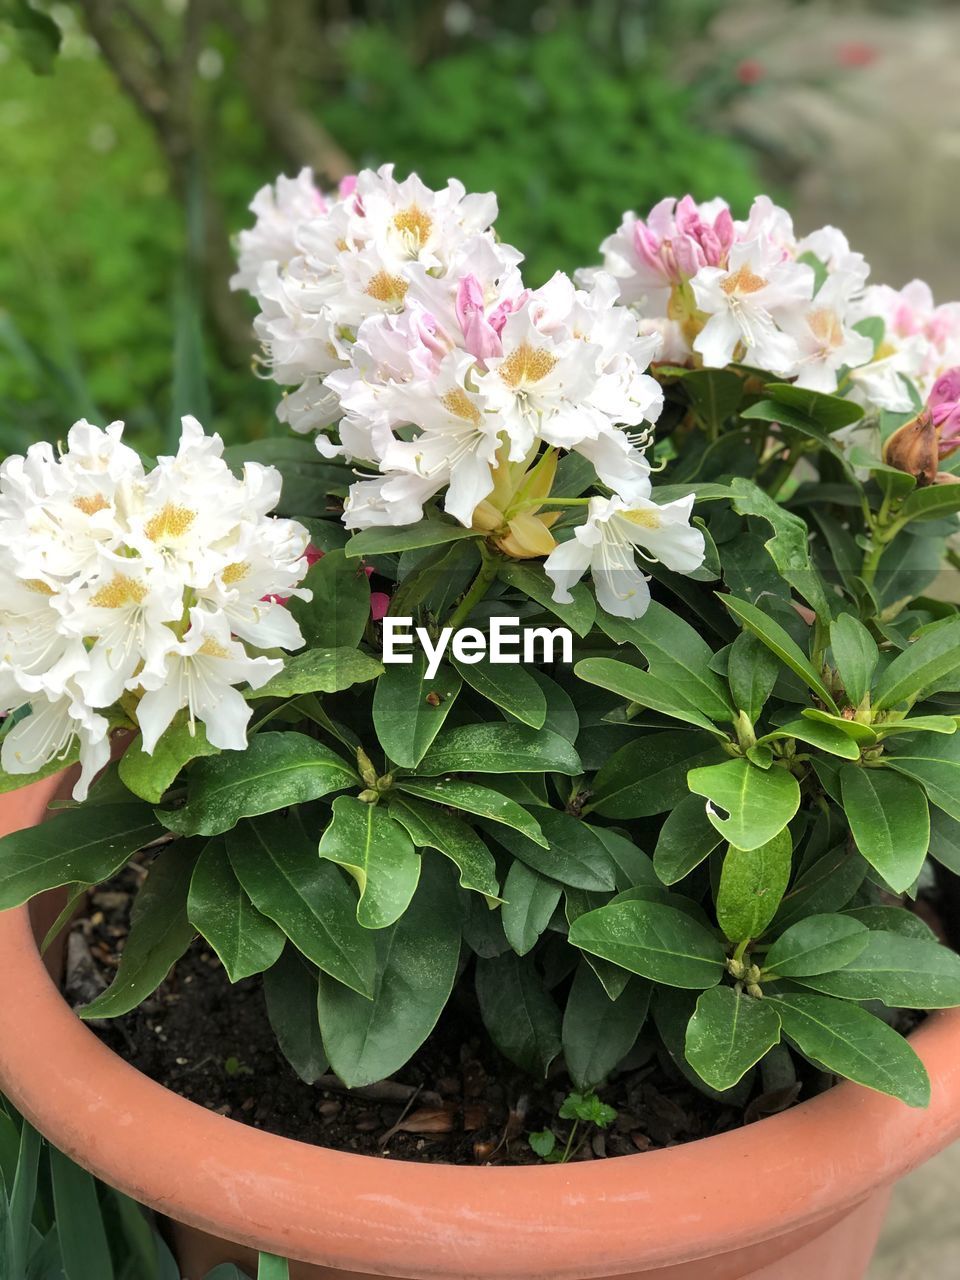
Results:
568 1148
489 568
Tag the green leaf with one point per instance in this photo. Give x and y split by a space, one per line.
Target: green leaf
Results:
377 852
79 846
311 901
506 686
788 548
339 610
856 655
933 761
827 885
530 900
649 775
530 579
916 724
633 866
829 412
752 883
676 655
518 1012
430 827
409 710
930 503
597 1033
471 798
575 854
921 667
150 777
893 920
290 988
23 1197
39 39
272 1268
274 771
653 940
752 671
759 802
319 671
863 733
80 1227
825 736
642 688
429 532
779 642
890 822
945 839
714 393
904 973
160 933
686 838
543 1143
817 944
417 960
244 939
728 1034
499 748
847 1040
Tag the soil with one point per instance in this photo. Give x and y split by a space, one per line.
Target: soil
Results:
456 1102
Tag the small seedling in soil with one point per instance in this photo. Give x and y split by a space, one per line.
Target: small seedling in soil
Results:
582 1109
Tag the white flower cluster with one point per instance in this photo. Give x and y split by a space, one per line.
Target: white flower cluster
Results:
123 585
396 309
754 293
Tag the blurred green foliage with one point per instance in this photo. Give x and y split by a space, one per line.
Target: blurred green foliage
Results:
569 129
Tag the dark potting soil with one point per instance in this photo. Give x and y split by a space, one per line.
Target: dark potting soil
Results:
456 1102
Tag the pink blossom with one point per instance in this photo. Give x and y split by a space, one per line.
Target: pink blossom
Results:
943 404
480 337
680 237
347 186
379 605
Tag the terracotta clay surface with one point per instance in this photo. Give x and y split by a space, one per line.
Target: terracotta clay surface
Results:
799 1194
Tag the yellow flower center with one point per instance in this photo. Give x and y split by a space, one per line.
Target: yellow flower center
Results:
169 522
235 572
41 588
414 223
825 326
461 406
387 288
212 649
91 505
743 280
642 517
527 364
118 592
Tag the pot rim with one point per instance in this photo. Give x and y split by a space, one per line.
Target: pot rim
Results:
333 1208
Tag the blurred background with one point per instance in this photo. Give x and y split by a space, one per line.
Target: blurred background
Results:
133 134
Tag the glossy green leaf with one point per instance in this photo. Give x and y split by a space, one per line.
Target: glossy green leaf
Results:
932 760
676 654
150 777
506 686
653 940
431 827
817 944
891 919
575 855
377 852
904 973
480 801
530 579
845 1039
946 725
752 883
409 710
319 671
686 838
218 906
856 655
339 610
308 897
728 1034
714 393
632 866
389 539
274 771
921 667
930 503
827 885
759 802
789 547
649 775
890 822
752 671
417 960
160 933
598 1033
825 736
499 748
290 989
945 839
829 412
530 900
79 846
518 1012
779 642
863 733
81 1232
642 688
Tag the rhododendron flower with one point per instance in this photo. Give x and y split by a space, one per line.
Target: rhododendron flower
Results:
608 543
141 587
280 211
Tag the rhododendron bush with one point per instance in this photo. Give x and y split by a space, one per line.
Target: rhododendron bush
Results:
721 459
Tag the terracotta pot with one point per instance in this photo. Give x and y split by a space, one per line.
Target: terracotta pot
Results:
800 1194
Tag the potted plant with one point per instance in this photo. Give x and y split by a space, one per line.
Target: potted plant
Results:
634 741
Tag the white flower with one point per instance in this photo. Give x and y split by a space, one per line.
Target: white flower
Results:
607 544
48 732
745 302
826 342
200 673
280 210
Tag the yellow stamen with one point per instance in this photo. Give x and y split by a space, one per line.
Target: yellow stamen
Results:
169 522
90 506
645 518
235 572
212 649
461 406
119 591
743 280
825 326
41 588
414 222
387 288
527 364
